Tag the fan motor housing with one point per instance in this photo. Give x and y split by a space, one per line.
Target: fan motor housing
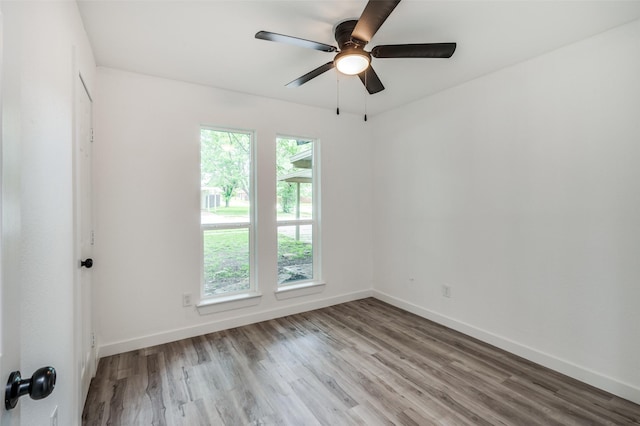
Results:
343 35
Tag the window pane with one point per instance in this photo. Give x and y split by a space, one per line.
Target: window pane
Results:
295 253
226 261
294 169
225 176
295 209
225 214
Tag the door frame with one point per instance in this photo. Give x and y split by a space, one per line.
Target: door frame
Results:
83 374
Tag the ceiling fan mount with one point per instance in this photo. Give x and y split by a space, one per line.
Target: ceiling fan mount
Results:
342 34
352 36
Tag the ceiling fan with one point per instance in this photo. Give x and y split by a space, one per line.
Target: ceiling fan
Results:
352 36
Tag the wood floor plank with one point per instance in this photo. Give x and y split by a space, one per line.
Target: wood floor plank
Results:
282 397
327 409
370 415
155 390
138 406
359 363
116 404
199 413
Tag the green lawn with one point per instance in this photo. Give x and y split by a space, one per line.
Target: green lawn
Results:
231 211
226 258
294 250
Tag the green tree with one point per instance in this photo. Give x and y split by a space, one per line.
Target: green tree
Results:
287 194
225 161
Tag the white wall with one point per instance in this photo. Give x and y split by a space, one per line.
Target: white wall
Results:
44 48
147 209
521 190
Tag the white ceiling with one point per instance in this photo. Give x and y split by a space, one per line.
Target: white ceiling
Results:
211 42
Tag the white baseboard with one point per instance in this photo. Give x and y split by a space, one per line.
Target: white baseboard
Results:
616 387
224 324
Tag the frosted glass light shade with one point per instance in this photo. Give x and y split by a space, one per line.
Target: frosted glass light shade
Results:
352 61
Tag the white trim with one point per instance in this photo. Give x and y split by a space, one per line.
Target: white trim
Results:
2 175
227 303
225 323
230 225
294 222
317 212
314 221
609 384
206 304
298 290
84 355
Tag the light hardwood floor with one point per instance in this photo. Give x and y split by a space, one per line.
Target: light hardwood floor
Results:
358 363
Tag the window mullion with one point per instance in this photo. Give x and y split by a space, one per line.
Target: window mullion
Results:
295 222
214 226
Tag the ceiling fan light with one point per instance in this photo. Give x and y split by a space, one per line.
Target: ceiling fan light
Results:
352 61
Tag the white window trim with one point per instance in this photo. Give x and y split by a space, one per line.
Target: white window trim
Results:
237 299
221 303
298 289
315 285
215 226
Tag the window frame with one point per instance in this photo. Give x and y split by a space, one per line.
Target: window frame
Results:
316 278
252 291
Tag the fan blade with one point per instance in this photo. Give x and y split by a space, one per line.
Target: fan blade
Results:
300 42
372 18
424 50
371 81
310 75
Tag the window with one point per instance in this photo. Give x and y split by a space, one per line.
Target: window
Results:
226 176
296 211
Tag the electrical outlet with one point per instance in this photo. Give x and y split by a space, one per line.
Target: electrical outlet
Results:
186 299
412 280
54 417
446 290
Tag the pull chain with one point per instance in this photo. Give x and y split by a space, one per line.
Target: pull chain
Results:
365 95
337 93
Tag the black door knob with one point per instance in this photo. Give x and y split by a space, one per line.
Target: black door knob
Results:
87 263
39 386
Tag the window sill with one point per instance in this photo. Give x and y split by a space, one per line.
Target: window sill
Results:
227 303
298 290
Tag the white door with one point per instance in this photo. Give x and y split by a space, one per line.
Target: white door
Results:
9 261
85 347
